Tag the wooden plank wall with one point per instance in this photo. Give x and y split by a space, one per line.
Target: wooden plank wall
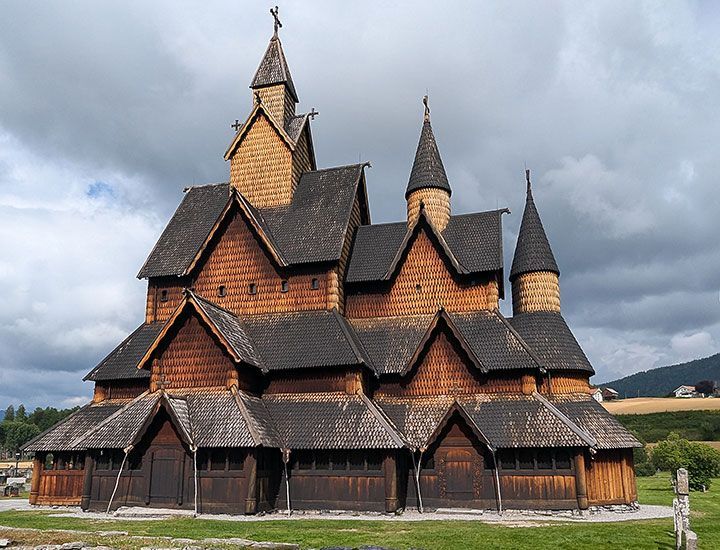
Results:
60 487
423 286
611 478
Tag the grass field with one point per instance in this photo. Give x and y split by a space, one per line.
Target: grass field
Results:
435 535
645 405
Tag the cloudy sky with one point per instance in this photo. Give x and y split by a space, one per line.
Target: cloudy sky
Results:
107 110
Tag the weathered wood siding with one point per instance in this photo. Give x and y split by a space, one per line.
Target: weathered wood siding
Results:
236 260
571 382
611 477
120 389
423 286
60 487
163 297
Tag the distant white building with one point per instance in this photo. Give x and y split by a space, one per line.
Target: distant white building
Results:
684 391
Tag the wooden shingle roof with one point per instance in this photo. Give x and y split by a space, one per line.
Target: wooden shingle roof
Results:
532 252
427 169
273 69
121 363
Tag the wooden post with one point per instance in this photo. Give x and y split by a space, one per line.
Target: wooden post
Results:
87 481
625 477
581 480
38 461
391 495
250 468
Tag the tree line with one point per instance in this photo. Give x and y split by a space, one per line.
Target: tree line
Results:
18 427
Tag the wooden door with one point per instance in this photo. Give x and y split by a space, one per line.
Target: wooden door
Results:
166 476
459 473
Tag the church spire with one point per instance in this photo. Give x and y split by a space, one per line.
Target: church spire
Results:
534 273
272 80
428 183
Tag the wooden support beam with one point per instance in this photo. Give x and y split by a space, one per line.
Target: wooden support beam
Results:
37 473
250 468
581 480
391 494
626 471
87 481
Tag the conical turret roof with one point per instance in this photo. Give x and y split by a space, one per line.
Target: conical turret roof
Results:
428 169
532 252
273 68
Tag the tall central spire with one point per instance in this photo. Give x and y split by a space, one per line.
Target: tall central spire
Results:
428 183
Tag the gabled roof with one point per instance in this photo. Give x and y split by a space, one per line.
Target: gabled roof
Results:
532 252
474 241
278 125
330 421
551 339
273 69
186 231
427 170
121 363
228 329
311 229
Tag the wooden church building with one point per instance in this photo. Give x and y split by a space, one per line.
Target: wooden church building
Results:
295 355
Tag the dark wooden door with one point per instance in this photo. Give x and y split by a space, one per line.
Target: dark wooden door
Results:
166 476
458 473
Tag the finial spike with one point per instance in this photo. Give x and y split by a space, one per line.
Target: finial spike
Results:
276 23
427 108
527 178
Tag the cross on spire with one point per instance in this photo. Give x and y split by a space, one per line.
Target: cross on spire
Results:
313 113
527 177
427 108
276 24
236 126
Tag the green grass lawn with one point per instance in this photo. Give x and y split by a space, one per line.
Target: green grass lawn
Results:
436 535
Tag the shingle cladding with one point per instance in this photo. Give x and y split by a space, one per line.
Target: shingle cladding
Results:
518 421
264 430
63 435
327 421
551 339
475 240
122 362
390 342
492 342
302 340
273 68
603 426
415 417
187 230
312 228
232 329
216 419
532 252
427 169
121 429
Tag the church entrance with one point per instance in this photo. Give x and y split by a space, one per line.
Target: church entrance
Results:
166 476
457 473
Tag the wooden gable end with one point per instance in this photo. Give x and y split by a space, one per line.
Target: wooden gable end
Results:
164 294
191 357
261 166
423 285
237 273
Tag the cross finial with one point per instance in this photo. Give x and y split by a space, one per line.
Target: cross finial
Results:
527 178
427 108
313 113
162 383
236 126
277 24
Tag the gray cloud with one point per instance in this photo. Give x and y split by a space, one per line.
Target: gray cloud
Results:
613 106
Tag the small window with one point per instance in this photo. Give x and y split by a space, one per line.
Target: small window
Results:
526 459
222 291
49 460
506 459
217 459
103 461
562 459
163 295
357 461
374 461
252 288
418 288
544 459
314 284
236 459
284 286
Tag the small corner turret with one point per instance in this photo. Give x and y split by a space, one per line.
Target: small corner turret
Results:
428 184
534 274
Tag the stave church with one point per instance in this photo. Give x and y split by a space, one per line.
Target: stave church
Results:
296 356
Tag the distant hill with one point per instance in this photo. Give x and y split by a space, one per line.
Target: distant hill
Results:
661 381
